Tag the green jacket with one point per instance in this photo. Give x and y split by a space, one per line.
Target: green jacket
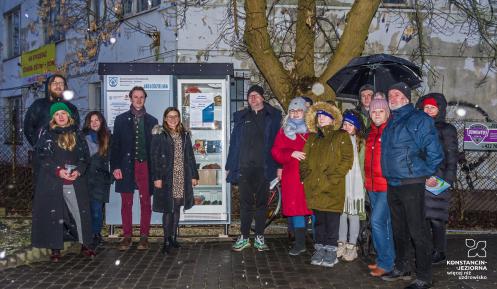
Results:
329 157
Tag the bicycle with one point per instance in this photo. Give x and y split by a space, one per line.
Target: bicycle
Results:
274 203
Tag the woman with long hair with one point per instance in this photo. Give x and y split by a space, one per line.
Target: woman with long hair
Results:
174 172
99 177
61 208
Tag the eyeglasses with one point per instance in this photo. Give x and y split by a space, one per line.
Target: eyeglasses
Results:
57 83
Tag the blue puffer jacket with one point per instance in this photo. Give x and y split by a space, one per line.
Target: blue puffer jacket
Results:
272 123
410 147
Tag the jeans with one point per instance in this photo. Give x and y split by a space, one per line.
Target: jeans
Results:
96 207
381 225
407 204
349 226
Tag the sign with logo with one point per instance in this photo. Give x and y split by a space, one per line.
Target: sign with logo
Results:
149 82
480 136
38 61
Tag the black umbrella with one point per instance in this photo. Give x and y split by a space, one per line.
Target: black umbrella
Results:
379 70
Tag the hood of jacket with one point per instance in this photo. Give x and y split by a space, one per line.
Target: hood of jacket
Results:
310 116
441 102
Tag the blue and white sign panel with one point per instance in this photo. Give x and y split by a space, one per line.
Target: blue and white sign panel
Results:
149 82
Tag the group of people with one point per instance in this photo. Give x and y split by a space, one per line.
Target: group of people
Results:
74 168
330 163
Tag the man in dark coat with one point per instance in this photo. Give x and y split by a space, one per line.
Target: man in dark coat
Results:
437 206
38 114
410 154
251 165
130 164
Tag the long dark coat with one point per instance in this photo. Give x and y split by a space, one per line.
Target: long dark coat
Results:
437 207
123 149
162 160
50 213
99 177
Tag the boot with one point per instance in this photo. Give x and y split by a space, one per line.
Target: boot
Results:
350 252
166 247
299 246
87 251
55 256
340 249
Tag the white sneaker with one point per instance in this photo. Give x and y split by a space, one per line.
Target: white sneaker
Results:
350 252
340 250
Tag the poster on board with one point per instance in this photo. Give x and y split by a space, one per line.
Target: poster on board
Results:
117 103
201 110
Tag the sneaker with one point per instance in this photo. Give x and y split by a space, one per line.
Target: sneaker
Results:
260 244
317 257
438 258
396 274
330 256
143 244
55 256
240 244
340 250
418 284
350 252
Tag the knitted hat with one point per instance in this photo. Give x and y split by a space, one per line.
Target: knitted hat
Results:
324 112
297 103
308 100
379 103
59 106
366 87
402 87
429 101
352 119
257 89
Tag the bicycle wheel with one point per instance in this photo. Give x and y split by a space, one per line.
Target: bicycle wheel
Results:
274 206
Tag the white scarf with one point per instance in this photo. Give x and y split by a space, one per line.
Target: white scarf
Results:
354 185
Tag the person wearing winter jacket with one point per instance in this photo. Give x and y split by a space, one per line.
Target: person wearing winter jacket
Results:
437 206
376 186
328 157
99 177
354 191
174 172
61 206
288 151
411 153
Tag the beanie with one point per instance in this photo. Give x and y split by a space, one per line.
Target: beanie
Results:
402 87
324 112
379 103
430 101
297 103
366 87
352 119
257 89
308 100
59 106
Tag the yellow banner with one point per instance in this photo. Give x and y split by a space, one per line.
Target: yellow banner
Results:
38 61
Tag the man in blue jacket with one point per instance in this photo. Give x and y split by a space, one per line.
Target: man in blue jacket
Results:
411 153
251 165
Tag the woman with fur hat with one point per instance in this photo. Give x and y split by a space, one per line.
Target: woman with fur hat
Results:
328 158
437 206
287 151
354 191
61 205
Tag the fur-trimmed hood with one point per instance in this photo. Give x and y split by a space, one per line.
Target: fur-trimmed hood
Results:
158 129
310 116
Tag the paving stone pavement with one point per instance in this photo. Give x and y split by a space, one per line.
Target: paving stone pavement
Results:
211 264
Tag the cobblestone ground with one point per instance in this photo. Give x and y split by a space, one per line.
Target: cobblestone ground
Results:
211 264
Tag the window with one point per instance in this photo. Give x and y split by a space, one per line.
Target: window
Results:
395 2
13 121
239 86
54 31
136 6
13 30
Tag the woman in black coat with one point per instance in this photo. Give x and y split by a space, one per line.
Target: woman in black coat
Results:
174 172
437 206
61 205
99 178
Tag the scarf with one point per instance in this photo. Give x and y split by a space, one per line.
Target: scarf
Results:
294 126
138 113
354 185
92 145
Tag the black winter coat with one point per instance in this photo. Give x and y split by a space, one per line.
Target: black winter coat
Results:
437 207
38 116
162 160
123 149
99 177
50 212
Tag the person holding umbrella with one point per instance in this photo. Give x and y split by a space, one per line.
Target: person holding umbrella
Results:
411 153
437 206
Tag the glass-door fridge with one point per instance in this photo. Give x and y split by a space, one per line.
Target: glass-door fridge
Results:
204 105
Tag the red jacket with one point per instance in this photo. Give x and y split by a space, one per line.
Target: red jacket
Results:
292 190
374 180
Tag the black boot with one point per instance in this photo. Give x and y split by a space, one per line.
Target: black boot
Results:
173 242
166 247
438 258
299 246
